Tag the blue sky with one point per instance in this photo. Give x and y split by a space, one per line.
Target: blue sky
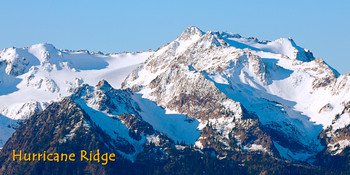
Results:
116 26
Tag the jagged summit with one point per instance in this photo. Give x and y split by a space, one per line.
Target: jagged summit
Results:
284 46
190 32
103 84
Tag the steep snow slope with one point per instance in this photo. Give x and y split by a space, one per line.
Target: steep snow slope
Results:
107 107
294 95
6 129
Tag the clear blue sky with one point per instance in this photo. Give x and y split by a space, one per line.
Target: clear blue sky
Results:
130 25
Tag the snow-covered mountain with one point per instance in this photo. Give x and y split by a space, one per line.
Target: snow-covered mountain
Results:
206 75
216 90
31 78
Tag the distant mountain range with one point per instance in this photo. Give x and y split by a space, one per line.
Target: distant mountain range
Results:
227 102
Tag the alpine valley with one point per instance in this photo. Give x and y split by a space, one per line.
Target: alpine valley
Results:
205 103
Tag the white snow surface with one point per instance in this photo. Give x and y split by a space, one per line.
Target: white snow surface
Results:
178 127
255 147
50 74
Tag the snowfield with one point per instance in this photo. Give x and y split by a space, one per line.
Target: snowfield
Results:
50 74
31 78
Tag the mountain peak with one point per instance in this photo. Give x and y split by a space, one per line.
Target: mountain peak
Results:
44 46
194 29
103 84
190 32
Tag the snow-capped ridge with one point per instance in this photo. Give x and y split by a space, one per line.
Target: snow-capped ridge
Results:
226 34
44 46
284 46
45 73
116 102
44 52
210 39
